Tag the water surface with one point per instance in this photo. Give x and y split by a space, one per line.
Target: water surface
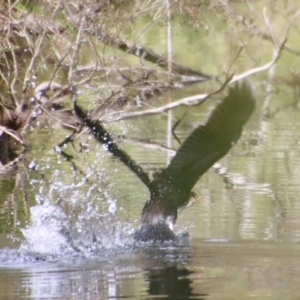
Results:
67 233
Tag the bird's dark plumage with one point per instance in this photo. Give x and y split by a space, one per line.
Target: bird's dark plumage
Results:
171 189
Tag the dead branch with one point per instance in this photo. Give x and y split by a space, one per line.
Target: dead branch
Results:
198 99
252 28
13 134
187 101
34 24
276 53
144 143
147 55
130 48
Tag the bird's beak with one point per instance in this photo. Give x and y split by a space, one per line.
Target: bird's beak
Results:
193 200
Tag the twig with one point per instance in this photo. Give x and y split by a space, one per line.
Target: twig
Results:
147 55
13 91
234 59
13 134
75 52
66 141
37 49
250 25
188 101
12 163
267 22
175 126
276 55
145 143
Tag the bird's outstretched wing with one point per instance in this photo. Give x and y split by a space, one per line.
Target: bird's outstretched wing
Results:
209 142
104 137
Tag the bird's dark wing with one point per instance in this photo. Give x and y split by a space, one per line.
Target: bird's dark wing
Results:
209 142
104 137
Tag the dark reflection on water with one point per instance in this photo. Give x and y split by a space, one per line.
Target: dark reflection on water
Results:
171 282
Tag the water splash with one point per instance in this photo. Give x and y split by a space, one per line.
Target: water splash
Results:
52 233
75 220
49 232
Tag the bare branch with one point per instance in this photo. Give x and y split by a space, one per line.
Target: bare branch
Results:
147 54
188 101
76 50
30 68
13 134
145 143
252 28
276 54
198 99
137 50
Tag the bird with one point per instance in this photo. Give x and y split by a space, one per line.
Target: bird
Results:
171 189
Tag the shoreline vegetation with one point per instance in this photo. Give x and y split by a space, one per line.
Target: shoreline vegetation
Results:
49 49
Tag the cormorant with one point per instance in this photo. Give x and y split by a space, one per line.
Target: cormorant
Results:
171 189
